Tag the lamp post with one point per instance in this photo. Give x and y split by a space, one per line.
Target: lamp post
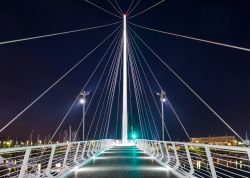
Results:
83 102
163 99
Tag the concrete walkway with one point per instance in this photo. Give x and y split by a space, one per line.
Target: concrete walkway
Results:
122 162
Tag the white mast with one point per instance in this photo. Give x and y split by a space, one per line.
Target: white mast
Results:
125 98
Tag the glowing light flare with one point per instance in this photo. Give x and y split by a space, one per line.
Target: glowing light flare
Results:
82 101
163 100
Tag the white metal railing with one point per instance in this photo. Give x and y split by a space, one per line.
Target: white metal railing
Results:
54 160
199 160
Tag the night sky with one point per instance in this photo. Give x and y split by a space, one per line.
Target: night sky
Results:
220 75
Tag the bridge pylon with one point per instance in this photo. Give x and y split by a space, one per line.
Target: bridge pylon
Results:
125 86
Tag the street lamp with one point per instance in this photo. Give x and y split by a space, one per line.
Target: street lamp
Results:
163 99
83 102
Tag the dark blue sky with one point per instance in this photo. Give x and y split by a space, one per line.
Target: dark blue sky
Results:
220 75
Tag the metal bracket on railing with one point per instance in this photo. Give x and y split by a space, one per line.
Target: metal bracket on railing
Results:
211 163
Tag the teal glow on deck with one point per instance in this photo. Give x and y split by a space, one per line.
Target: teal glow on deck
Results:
122 162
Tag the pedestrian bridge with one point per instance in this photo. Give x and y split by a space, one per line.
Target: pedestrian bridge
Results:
121 162
123 63
140 158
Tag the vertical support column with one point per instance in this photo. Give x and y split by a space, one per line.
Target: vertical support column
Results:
248 154
66 155
189 161
76 153
157 149
93 148
25 162
125 88
83 150
177 165
168 155
162 155
210 162
50 159
90 145
152 148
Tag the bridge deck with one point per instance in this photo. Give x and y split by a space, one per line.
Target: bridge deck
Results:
122 162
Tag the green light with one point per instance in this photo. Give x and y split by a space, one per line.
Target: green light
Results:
134 136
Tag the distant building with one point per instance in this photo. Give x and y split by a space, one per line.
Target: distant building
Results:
219 140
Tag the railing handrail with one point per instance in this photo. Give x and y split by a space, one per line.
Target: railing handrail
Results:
236 148
43 145
50 160
187 159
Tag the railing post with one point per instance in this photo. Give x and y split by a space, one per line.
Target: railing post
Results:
76 154
146 146
211 163
66 155
162 156
83 150
176 157
101 146
157 149
152 152
153 148
93 147
50 159
141 145
168 155
189 161
248 153
97 147
25 162
89 149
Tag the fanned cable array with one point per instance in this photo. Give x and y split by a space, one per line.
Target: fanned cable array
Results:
144 113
